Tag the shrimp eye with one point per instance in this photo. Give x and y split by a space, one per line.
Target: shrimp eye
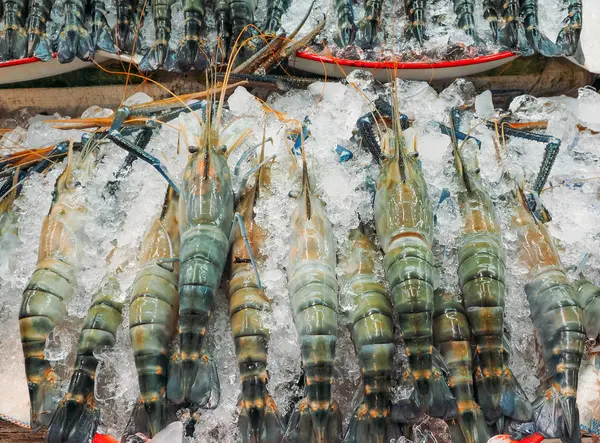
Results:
222 149
193 149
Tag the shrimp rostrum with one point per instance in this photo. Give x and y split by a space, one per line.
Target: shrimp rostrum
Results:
153 314
77 417
404 223
313 291
259 419
558 323
481 272
373 336
44 300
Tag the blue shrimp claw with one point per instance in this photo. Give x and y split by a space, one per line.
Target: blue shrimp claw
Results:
117 138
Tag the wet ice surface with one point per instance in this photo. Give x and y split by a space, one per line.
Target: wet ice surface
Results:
115 225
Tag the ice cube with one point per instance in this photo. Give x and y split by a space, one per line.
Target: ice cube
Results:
484 106
171 434
241 102
589 108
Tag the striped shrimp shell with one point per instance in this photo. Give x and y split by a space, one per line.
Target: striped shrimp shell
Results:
153 311
77 417
259 419
558 324
373 336
481 273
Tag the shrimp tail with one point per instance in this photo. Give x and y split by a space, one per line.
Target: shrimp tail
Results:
429 395
74 421
319 425
101 34
13 43
158 56
74 42
369 423
196 381
191 54
555 411
259 421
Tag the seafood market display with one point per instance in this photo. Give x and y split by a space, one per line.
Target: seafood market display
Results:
217 267
193 34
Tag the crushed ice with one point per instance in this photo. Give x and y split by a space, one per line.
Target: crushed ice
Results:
116 223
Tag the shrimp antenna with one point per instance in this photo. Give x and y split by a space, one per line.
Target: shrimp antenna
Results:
240 222
305 181
398 136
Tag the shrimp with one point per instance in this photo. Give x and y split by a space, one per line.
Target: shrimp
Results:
259 419
76 417
48 291
153 312
451 334
404 222
481 273
313 291
558 323
373 336
205 219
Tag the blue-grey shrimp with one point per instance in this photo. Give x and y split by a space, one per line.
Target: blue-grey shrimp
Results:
451 335
481 274
159 54
313 288
153 315
192 51
404 222
259 420
48 291
373 336
74 40
38 43
558 323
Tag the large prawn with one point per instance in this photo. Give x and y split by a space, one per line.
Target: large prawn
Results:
481 273
373 336
313 288
205 219
51 286
558 323
259 419
404 222
153 312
